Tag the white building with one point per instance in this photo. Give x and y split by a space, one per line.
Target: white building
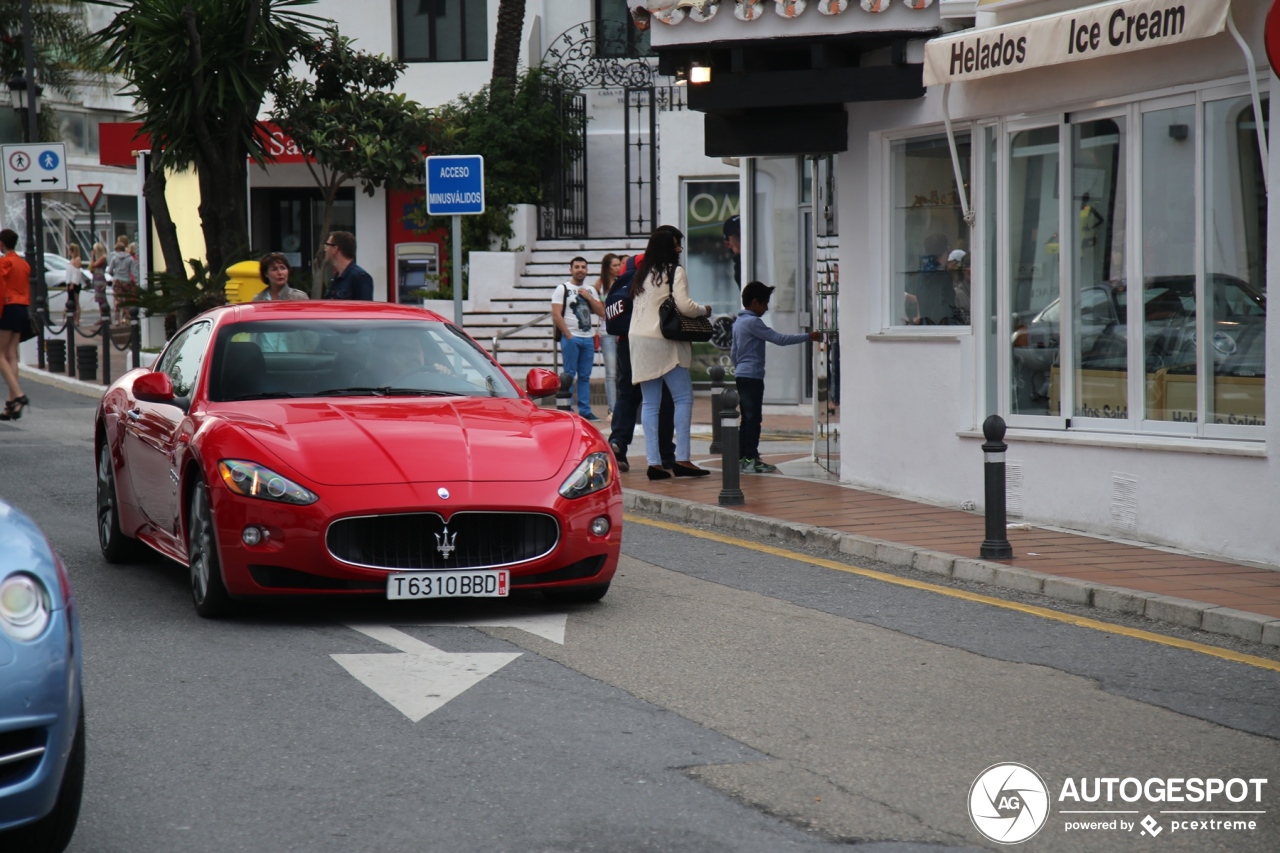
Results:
1097 146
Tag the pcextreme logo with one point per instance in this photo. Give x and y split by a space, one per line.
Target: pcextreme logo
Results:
1009 803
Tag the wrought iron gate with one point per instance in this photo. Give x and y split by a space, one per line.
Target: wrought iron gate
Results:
640 132
564 206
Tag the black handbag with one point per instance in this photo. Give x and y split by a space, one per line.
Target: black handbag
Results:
33 328
677 327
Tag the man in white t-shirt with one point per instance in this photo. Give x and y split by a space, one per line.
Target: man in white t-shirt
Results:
574 311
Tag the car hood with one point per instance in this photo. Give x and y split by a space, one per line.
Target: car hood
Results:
372 441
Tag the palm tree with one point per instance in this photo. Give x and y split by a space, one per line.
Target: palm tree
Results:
506 42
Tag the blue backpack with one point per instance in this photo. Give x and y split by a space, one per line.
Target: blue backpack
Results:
617 305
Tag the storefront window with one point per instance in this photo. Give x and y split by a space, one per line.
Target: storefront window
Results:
1101 352
1168 264
930 240
1235 261
1033 268
443 30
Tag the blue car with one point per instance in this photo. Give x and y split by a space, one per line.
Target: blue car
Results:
41 709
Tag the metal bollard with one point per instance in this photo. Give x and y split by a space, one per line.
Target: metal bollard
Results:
68 365
135 337
56 355
87 362
730 491
106 350
564 397
996 546
717 390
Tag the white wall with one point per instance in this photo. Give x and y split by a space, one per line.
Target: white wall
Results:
908 399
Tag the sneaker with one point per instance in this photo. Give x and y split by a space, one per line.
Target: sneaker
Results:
591 416
761 467
747 466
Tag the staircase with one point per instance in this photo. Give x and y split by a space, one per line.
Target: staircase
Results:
511 307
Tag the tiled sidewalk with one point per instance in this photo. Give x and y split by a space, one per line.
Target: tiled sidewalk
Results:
801 493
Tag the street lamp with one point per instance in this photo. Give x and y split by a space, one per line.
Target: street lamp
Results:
24 97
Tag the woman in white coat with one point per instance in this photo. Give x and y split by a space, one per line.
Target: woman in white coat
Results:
656 360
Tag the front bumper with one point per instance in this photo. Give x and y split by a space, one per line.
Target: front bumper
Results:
294 557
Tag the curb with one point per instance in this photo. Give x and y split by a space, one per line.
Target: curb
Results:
1210 618
66 383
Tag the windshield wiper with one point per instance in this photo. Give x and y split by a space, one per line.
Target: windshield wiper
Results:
383 391
260 395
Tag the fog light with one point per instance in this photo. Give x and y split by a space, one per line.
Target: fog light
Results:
254 535
600 526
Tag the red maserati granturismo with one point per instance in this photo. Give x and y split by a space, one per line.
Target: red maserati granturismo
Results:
341 447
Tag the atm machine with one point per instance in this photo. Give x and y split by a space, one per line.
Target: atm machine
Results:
417 271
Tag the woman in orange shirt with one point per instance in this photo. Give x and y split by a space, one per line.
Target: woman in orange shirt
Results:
15 294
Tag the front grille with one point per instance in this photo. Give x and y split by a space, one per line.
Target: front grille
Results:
20 754
423 541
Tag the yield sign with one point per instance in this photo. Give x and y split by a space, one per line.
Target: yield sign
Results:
91 193
422 678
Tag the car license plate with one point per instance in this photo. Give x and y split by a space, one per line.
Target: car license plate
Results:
491 583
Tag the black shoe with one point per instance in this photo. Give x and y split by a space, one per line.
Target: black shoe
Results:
620 458
656 473
14 408
688 469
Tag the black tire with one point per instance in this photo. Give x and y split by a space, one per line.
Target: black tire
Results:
208 592
52 833
577 594
116 546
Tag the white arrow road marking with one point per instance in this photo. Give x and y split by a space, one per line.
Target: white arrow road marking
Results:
423 678
549 626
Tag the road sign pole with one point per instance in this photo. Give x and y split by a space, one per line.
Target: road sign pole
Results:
457 270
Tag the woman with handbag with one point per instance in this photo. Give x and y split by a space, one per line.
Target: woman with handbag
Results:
657 360
15 320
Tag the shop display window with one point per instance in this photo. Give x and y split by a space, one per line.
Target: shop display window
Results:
929 237
443 30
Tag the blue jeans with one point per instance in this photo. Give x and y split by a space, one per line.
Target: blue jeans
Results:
609 349
579 352
680 384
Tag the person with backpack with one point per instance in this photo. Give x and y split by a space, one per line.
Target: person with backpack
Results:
617 319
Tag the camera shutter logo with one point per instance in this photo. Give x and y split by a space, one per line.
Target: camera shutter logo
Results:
1008 803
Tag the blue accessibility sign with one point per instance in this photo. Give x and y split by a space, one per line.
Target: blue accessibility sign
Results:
455 185
48 160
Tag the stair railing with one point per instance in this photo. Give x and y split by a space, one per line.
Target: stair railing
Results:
555 350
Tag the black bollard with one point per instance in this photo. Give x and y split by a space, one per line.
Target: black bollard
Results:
87 362
135 337
564 397
56 355
996 546
717 390
730 491
106 350
69 365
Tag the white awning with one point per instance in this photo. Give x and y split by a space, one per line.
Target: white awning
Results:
1106 29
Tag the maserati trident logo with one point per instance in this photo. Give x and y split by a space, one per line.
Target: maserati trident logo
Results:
444 542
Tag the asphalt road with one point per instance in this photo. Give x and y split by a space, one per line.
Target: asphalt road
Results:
721 698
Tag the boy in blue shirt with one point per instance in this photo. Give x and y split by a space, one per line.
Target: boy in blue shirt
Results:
749 336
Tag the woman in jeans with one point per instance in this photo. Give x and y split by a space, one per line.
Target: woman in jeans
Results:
656 361
610 268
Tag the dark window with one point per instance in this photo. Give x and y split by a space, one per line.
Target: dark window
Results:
616 33
443 30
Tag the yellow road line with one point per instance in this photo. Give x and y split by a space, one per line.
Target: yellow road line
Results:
1031 609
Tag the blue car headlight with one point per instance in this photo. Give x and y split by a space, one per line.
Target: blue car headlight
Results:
256 481
592 474
24 606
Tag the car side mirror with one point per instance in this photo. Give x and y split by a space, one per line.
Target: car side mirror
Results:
154 387
541 383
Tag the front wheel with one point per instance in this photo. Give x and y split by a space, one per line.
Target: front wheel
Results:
115 546
207 589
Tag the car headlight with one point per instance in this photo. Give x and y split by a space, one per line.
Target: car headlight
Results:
24 606
592 474
255 481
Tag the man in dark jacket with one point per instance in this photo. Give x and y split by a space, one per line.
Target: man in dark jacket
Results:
350 280
629 399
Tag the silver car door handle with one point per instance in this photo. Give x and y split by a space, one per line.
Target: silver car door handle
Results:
134 414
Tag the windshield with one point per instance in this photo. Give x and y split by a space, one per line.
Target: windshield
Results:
351 358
